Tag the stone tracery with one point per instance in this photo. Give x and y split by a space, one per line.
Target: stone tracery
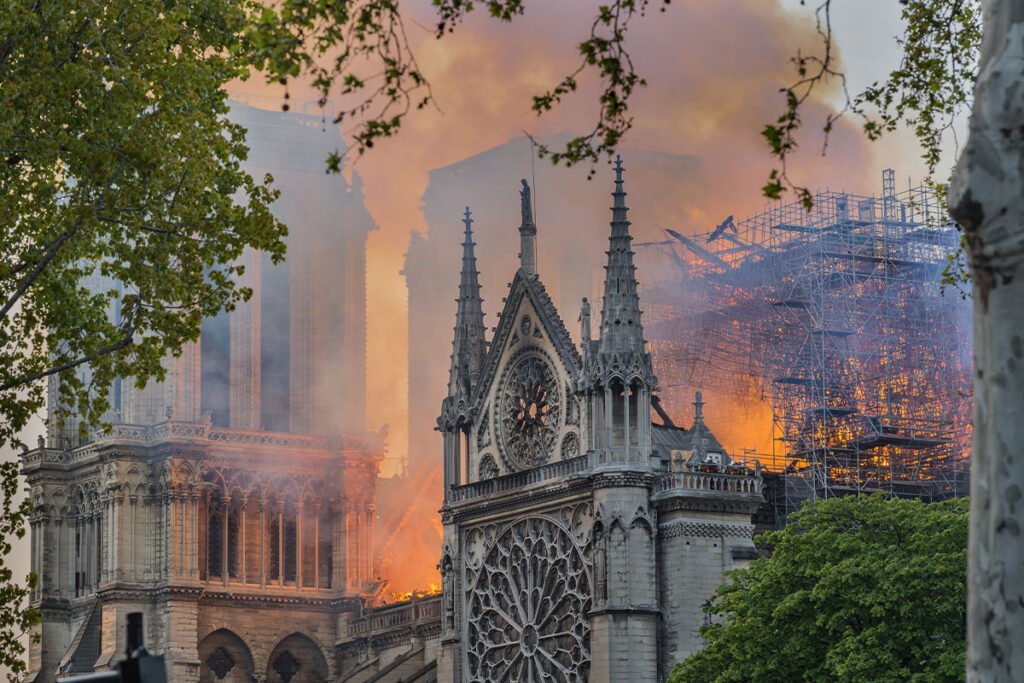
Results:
527 607
529 411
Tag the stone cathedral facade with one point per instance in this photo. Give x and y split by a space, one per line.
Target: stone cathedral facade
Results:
581 537
234 503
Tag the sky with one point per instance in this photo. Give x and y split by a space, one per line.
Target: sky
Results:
713 70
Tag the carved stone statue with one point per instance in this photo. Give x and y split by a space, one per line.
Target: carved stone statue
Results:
524 196
584 320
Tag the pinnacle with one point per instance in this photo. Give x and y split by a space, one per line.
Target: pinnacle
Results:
468 344
621 328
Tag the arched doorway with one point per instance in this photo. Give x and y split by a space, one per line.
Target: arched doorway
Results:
296 659
224 658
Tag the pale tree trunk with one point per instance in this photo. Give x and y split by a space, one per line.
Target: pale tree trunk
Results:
987 199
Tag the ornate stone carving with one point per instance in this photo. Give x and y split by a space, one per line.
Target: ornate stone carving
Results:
476 544
483 435
705 530
529 411
572 408
447 567
488 468
570 445
527 607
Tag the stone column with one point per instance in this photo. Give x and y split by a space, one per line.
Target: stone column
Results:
263 542
298 546
626 393
316 546
280 544
177 530
243 548
116 572
133 536
225 542
34 544
349 526
167 566
371 508
89 544
73 535
339 551
457 475
193 546
58 573
608 421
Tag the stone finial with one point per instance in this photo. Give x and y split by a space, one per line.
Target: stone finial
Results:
698 407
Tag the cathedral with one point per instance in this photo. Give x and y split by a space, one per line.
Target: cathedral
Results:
234 504
581 538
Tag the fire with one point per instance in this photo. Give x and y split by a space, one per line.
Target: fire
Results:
823 339
432 589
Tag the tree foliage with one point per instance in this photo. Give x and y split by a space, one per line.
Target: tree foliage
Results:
931 86
123 206
855 589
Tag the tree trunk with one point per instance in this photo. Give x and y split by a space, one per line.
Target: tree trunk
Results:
987 199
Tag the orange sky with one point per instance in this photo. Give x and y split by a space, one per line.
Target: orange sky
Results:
714 72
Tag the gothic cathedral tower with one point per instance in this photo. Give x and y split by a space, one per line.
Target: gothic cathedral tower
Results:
559 489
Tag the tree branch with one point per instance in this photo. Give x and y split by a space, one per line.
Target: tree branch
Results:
50 254
122 343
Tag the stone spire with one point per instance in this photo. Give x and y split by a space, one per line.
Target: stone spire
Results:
468 345
617 369
527 233
621 330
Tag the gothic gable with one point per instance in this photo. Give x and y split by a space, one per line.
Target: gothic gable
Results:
526 413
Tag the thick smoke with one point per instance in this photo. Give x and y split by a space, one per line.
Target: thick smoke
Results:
714 72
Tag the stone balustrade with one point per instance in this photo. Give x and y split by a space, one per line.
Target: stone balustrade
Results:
709 481
206 431
417 610
517 480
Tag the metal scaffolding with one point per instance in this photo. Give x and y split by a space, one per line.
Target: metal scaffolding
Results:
837 318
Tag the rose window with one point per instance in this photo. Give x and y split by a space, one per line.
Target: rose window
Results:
527 610
529 412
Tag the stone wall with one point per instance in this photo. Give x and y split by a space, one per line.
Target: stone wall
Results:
695 550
